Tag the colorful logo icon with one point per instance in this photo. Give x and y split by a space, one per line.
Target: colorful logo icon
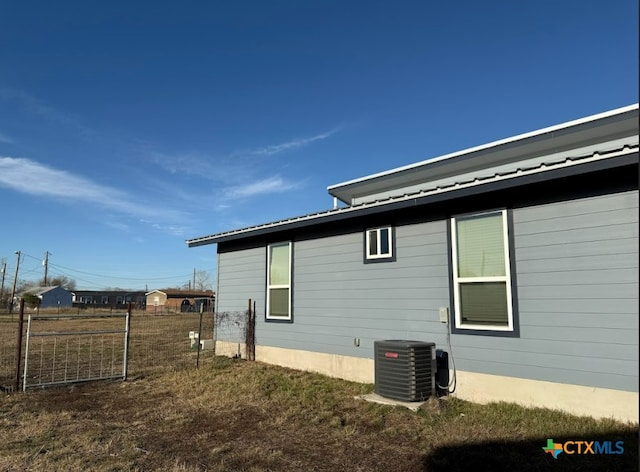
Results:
553 448
583 447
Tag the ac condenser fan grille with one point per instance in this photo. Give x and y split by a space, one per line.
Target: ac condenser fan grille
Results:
405 370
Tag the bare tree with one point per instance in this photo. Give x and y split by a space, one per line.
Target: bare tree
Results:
62 281
203 280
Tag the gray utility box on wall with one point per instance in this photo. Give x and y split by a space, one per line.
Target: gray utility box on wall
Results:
405 370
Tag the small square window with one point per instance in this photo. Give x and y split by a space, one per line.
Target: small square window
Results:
379 244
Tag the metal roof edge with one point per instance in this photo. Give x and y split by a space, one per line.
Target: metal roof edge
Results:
500 142
544 167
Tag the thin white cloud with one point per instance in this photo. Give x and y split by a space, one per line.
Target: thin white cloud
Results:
30 177
293 144
275 184
171 229
228 168
118 225
37 107
6 139
207 167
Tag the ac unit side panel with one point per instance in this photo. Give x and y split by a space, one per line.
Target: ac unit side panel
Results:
405 370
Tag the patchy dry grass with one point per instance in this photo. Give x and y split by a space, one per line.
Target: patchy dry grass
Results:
243 416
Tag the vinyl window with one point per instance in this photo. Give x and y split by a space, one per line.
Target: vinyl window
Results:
481 272
379 244
279 281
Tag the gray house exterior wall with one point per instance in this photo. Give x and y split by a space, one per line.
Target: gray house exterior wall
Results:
241 276
571 198
577 267
577 272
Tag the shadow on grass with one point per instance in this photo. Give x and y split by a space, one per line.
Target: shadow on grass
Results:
528 455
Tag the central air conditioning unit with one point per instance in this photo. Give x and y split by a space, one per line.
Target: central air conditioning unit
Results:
405 370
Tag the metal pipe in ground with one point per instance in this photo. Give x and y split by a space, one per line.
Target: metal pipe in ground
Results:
199 337
16 383
127 335
26 357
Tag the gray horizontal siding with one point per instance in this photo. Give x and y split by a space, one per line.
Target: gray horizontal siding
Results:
568 347
337 297
620 275
241 276
577 273
581 318
515 359
555 373
576 307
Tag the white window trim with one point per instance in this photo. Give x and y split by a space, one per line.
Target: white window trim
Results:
458 280
379 255
276 286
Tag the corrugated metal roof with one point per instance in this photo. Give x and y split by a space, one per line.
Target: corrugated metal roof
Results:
569 136
314 218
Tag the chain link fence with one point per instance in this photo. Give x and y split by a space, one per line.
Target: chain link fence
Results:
234 333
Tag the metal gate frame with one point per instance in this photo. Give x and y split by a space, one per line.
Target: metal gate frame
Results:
126 331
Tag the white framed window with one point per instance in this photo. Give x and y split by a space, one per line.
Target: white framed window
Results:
482 272
105 300
379 244
279 281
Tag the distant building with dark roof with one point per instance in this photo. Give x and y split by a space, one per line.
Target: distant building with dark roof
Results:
118 299
172 299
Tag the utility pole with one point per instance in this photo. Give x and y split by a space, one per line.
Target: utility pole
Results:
4 271
194 278
45 263
15 281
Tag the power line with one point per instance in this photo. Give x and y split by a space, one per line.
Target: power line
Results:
118 277
114 277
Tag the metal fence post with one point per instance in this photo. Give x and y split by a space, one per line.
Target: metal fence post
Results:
199 337
16 384
26 356
249 341
214 331
127 334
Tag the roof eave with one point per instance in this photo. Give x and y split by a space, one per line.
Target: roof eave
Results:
347 191
627 157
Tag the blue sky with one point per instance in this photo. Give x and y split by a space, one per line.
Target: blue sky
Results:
128 127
